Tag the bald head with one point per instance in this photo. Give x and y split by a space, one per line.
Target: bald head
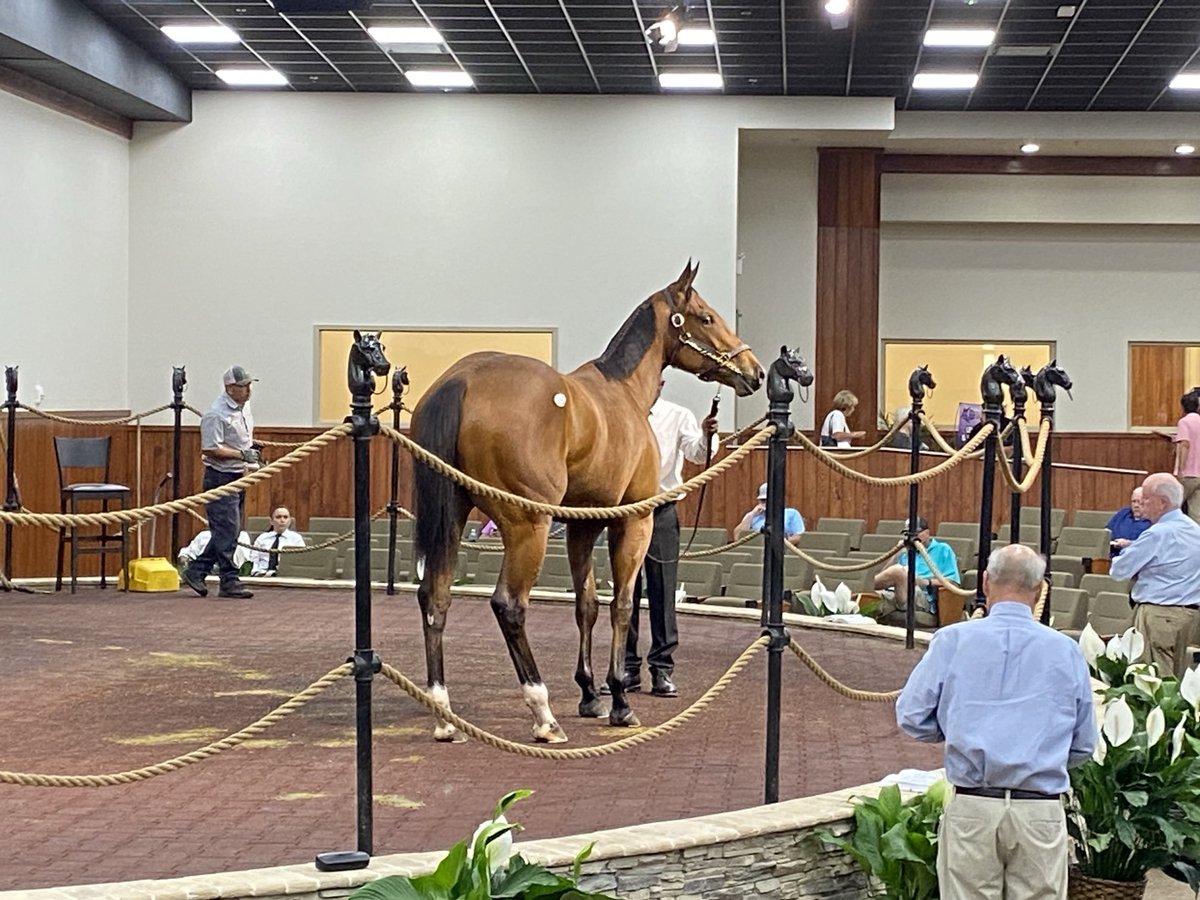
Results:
1161 493
1014 572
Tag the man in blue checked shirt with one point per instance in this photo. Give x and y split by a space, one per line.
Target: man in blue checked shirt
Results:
1012 701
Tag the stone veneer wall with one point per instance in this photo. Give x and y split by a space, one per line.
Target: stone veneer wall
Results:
765 851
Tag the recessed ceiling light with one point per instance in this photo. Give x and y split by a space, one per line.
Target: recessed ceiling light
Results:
404 34
959 37
696 37
837 7
1186 81
439 78
201 34
690 81
1185 149
261 77
1030 147
945 81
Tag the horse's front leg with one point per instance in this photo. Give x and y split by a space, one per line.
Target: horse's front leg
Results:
524 550
581 538
628 541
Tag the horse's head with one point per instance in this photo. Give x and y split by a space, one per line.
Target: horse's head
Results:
1002 371
789 367
178 379
701 343
1048 378
1020 392
918 381
367 353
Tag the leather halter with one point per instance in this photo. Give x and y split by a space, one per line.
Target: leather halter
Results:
720 359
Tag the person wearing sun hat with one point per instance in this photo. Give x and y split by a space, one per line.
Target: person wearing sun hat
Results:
793 522
228 451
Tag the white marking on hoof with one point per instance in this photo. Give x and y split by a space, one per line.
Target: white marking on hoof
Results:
560 400
545 727
443 731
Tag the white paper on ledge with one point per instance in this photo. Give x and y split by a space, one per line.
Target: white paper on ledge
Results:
851 619
915 780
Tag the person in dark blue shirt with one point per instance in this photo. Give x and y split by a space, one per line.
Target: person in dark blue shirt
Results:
1127 524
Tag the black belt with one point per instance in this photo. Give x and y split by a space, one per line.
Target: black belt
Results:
1000 793
1191 606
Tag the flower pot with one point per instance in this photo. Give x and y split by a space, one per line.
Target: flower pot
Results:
1085 887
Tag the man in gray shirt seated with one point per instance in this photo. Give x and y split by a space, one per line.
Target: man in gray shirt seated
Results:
1012 701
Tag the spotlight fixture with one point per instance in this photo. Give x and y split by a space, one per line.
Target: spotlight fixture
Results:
1185 149
837 7
664 34
1030 147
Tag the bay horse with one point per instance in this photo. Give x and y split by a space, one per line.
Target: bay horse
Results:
577 439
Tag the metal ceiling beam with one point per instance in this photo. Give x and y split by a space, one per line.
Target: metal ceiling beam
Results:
850 55
920 49
381 48
783 42
645 40
1167 84
987 55
587 62
317 50
1129 47
71 48
255 53
712 26
1054 58
513 44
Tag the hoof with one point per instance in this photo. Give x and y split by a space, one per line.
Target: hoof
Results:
595 709
549 734
448 734
623 719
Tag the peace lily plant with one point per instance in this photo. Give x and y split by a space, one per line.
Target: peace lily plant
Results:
822 601
1135 805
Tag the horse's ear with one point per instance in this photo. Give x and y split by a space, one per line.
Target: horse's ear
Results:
684 277
1054 363
357 336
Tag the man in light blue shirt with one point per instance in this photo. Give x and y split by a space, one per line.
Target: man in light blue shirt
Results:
793 522
895 576
1012 701
1165 561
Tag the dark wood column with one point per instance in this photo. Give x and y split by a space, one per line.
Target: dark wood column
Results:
847 326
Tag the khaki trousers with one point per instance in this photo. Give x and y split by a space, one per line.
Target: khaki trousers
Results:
1167 631
1191 496
1002 849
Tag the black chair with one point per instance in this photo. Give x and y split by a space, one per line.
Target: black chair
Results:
92 454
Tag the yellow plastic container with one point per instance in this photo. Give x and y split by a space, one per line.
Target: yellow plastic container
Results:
150 573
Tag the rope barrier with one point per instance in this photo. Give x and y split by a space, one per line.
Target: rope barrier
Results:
307 548
1023 429
736 437
944 466
942 580
844 690
713 551
882 442
285 709
445 715
857 567
1035 467
641 508
97 422
933 432
128 516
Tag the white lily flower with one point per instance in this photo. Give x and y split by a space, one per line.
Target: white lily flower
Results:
1156 725
1177 738
499 849
1132 643
1145 678
1118 722
1189 687
1101 750
1113 649
1091 644
844 597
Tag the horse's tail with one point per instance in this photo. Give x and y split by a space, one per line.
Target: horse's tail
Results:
436 497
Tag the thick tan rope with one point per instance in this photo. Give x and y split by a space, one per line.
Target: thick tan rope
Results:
1035 467
867 451
641 508
845 691
123 421
933 432
184 503
831 461
178 762
1026 447
308 548
941 579
736 437
536 752
713 551
857 567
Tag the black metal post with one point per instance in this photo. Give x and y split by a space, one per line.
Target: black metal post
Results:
366 662
178 383
11 502
780 395
399 383
1045 385
916 393
1020 395
991 413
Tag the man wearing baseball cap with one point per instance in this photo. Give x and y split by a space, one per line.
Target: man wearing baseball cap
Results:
895 576
793 522
228 451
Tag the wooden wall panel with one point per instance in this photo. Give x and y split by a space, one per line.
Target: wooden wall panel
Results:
1157 372
321 484
847 292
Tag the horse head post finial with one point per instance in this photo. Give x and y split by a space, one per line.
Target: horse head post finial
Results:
178 382
1048 379
789 367
10 382
365 362
919 382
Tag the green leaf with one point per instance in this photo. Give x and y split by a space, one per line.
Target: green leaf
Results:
522 875
895 844
390 887
579 858
1136 798
508 800
1126 833
889 804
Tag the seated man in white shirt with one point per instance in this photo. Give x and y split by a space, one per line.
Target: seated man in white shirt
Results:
265 557
241 553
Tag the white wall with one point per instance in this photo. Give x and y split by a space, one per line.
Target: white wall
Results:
272 213
777 237
64 253
1092 289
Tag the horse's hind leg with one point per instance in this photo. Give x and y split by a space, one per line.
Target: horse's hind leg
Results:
524 550
434 597
627 541
581 538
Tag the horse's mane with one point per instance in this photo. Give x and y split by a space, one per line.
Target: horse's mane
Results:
629 345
